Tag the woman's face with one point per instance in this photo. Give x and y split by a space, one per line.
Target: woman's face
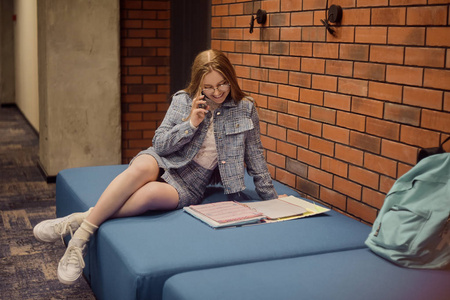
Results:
215 87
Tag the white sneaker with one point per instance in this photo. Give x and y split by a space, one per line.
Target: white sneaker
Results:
71 265
52 230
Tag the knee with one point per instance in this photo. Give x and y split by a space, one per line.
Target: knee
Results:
144 167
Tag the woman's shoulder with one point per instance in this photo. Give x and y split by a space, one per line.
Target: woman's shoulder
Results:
181 96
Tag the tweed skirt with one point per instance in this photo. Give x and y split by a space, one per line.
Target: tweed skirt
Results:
190 181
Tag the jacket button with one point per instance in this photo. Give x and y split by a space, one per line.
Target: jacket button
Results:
223 162
186 132
237 125
218 113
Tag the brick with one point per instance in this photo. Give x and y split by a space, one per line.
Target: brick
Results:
324 115
250 85
385 91
308 157
447 101
313 34
371 35
269 143
288 121
290 34
426 57
320 177
407 2
334 166
365 142
309 126
270 89
337 134
387 54
297 138
427 15
287 149
267 116
278 76
349 154
386 184
354 52
358 16
311 96
301 49
312 65
288 92
383 128
321 146
296 167
290 63
270 61
406 36
369 71
299 109
339 68
423 97
271 34
276 159
333 198
322 82
260 47
399 151
307 187
300 79
436 120
402 169
402 114
326 50
353 86
337 101
373 198
351 121
304 18
438 79
277 104
438 36
347 187
285 177
251 59
368 107
372 3
419 137
380 165
389 16
365 212
404 75
363 176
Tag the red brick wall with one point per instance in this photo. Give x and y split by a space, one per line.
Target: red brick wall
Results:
145 55
343 117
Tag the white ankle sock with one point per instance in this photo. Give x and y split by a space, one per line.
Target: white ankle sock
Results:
85 232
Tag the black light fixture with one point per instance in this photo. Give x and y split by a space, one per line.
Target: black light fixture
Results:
332 15
261 17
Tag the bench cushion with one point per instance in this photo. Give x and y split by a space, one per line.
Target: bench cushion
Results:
354 274
131 258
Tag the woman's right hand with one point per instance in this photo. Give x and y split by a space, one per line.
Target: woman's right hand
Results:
198 111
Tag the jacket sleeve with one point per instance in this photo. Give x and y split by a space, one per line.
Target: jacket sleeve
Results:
175 131
256 164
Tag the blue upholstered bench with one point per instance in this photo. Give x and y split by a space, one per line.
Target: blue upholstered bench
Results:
131 258
352 274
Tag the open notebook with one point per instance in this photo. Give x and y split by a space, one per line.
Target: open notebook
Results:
230 213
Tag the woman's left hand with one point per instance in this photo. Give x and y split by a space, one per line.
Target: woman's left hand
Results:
198 113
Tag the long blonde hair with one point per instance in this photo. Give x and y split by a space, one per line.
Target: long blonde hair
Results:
208 61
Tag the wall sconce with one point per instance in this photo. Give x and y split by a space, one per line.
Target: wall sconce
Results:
334 15
261 17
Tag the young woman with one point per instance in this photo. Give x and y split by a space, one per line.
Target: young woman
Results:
210 128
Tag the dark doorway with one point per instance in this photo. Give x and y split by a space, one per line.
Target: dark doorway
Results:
190 34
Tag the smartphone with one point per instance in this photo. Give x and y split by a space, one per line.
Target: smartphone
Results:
203 105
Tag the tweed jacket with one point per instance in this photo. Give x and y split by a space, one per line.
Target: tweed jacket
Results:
237 135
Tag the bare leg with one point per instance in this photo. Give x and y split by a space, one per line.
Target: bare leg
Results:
126 187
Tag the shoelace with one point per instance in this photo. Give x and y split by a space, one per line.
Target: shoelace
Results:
74 256
61 228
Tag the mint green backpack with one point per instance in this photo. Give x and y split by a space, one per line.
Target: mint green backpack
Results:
412 228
